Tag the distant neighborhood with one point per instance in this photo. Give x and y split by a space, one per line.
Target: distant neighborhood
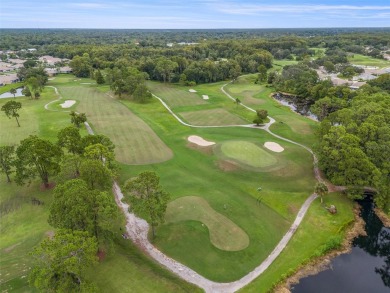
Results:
11 62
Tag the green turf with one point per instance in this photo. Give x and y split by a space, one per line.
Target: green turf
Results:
175 96
248 153
224 234
317 233
212 117
135 142
7 87
359 59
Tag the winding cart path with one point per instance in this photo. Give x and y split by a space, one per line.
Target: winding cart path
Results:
137 228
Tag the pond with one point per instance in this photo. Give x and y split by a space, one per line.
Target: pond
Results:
9 95
365 269
300 106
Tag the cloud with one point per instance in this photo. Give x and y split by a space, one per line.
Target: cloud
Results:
251 9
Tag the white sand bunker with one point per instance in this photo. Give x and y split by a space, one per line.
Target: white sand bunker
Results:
68 103
273 146
200 141
192 91
205 97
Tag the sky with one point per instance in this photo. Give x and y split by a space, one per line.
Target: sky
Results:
193 14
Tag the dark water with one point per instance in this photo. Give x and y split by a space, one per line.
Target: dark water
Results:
365 270
301 106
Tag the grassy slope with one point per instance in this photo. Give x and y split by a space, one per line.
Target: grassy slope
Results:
23 225
199 175
135 142
359 59
317 232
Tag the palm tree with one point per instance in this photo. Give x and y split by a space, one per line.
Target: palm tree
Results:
13 91
321 189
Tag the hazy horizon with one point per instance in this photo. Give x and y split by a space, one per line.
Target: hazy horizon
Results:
194 14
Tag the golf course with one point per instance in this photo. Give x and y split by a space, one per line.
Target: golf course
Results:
233 196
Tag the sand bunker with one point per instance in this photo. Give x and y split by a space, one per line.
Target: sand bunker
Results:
205 97
200 141
68 103
273 146
192 91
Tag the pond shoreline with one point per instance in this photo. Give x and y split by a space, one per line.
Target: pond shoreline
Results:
383 217
321 263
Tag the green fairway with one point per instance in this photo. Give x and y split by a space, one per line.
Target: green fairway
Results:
214 117
359 59
135 142
175 96
320 231
248 154
224 234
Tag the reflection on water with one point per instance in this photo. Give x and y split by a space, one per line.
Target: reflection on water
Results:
365 269
300 106
9 95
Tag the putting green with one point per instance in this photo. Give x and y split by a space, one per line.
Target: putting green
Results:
248 153
224 234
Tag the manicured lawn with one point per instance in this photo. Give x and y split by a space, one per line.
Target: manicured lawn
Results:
135 142
7 87
212 117
34 119
232 194
316 234
248 153
359 59
175 96
224 234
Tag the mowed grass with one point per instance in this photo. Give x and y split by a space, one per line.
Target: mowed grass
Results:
34 120
317 233
213 117
224 234
175 96
247 153
359 59
135 142
288 124
232 194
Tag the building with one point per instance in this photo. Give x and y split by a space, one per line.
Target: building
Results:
66 69
50 60
8 79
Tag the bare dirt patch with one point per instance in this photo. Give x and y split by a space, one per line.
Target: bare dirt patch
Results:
273 146
206 150
227 166
10 248
50 234
200 141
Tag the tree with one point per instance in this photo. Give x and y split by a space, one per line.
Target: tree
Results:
77 118
61 262
77 207
142 94
11 109
7 160
262 73
81 65
70 139
89 140
148 198
34 86
321 189
237 101
99 77
165 68
261 115
36 156
13 91
95 174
